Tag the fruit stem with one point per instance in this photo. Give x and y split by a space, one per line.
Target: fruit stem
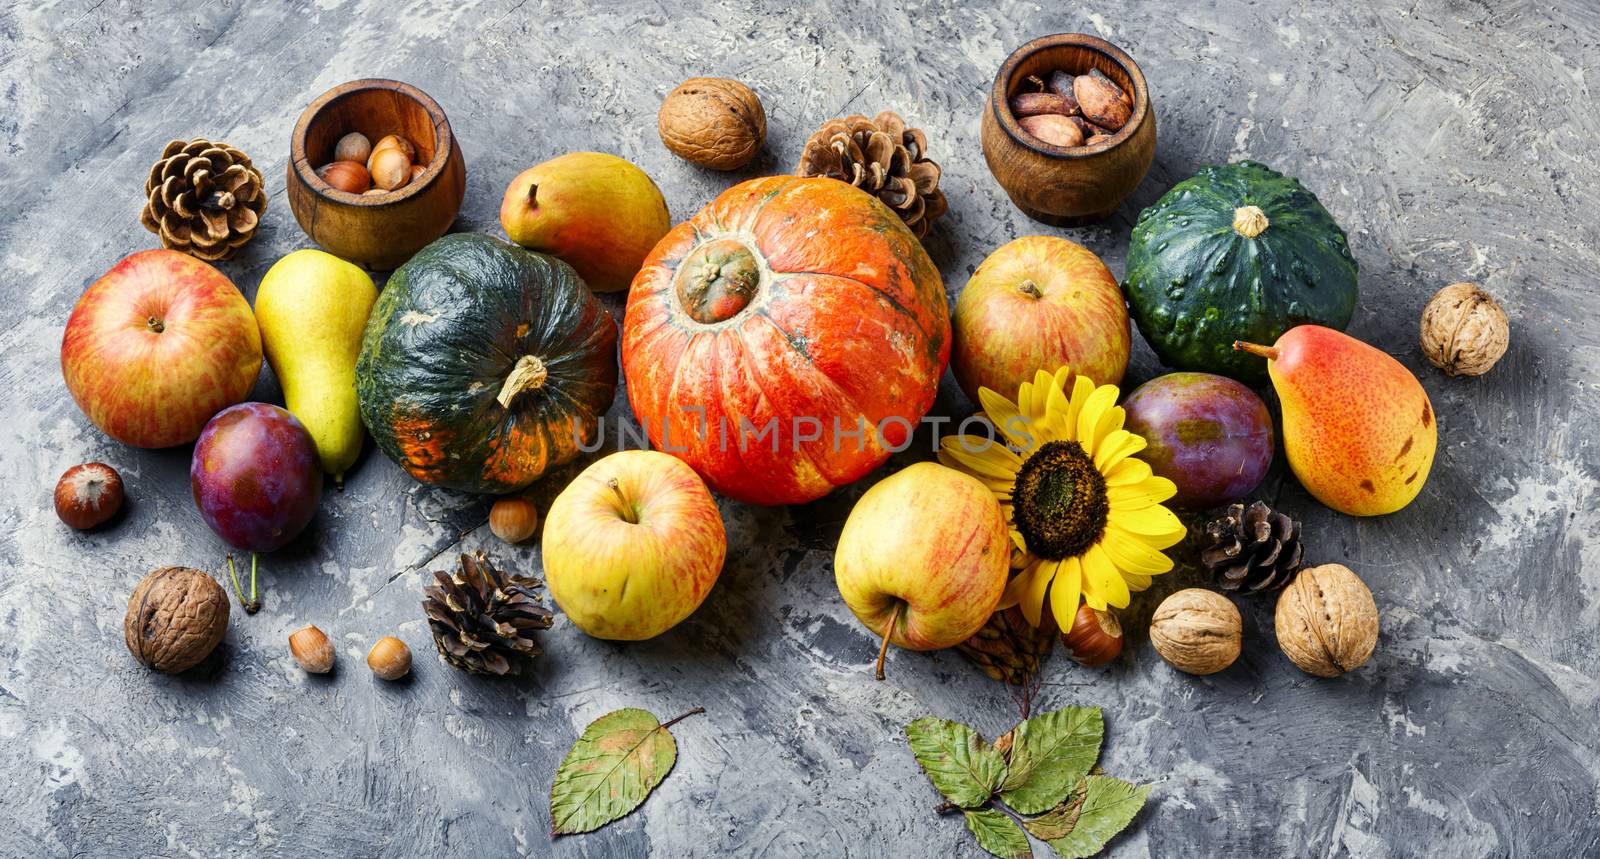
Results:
155 325
1030 289
533 194
1268 352
888 631
1249 221
251 605
629 515
528 374
675 720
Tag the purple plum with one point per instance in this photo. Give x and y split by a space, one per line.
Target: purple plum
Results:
1210 435
256 476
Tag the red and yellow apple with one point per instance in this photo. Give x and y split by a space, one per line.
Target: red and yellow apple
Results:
599 213
633 545
1039 301
157 346
923 558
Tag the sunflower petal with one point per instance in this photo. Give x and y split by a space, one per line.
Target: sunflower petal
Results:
1133 554
1015 590
1128 473
1151 490
1038 585
1007 420
980 457
1156 523
1090 416
1135 581
1116 446
1064 594
1099 569
1082 389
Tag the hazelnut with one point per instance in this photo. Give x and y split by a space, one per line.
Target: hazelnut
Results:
176 617
346 176
353 147
714 122
1197 631
88 495
393 141
1053 129
390 168
390 659
312 650
1326 621
1101 100
1095 637
1464 330
513 519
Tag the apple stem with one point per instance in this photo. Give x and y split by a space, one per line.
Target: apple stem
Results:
1268 352
533 192
155 325
888 631
628 514
1030 289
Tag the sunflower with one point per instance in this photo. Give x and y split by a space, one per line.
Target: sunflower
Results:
1084 514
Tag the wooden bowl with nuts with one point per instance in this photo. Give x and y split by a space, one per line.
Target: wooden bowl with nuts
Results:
384 225
1068 130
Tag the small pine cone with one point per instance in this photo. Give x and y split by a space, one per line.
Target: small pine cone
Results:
482 620
203 198
1253 549
1009 650
882 157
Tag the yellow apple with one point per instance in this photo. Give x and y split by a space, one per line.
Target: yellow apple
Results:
923 558
633 545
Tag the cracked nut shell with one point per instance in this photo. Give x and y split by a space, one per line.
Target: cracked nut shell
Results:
714 122
176 617
1326 621
1197 631
1464 330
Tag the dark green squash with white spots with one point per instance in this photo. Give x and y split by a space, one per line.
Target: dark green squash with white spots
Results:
484 365
1235 252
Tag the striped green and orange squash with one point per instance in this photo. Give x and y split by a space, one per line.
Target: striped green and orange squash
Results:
484 365
786 339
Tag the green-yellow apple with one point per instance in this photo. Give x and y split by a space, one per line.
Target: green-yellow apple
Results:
157 346
633 545
598 212
923 558
1039 302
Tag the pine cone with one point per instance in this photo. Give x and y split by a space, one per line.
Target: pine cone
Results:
1008 649
483 620
883 157
1253 549
205 199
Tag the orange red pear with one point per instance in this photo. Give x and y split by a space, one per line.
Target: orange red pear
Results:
1358 428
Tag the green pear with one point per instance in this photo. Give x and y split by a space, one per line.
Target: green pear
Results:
1358 428
312 308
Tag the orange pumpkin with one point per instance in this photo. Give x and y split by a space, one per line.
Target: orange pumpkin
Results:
786 339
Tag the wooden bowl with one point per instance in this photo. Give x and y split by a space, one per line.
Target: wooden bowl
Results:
382 230
1060 185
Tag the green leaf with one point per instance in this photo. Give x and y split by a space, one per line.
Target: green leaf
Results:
960 764
999 834
1049 753
1108 808
610 770
1059 821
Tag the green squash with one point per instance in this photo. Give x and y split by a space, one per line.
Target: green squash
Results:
1235 252
484 365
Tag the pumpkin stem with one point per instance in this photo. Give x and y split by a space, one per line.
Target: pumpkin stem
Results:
1268 352
1030 289
528 375
1249 221
888 631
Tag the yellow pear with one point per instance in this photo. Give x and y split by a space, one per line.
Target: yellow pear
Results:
312 308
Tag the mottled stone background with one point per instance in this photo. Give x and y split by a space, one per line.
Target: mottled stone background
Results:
1453 139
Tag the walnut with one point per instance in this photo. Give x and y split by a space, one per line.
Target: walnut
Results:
1196 631
1464 330
1326 620
176 617
714 122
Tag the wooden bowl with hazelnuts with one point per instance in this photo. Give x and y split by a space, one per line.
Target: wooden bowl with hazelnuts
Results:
1068 130
375 172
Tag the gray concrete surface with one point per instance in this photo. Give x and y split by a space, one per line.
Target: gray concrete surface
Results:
1454 140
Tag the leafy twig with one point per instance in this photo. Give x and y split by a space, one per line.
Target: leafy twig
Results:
253 604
